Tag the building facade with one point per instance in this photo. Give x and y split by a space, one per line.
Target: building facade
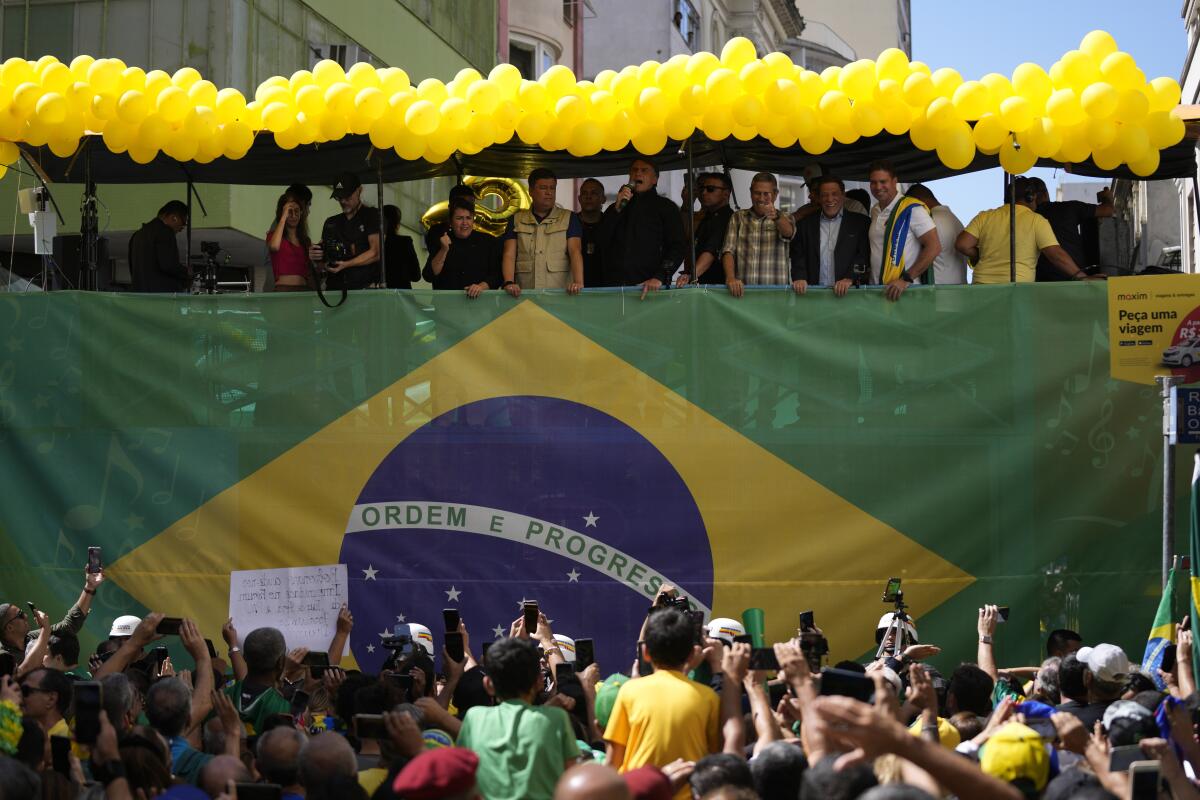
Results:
1188 196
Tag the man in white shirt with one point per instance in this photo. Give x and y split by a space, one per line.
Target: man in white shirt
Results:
950 266
904 240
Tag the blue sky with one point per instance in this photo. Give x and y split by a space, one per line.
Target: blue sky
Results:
976 38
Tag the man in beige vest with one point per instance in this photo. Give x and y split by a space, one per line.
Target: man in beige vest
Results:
543 244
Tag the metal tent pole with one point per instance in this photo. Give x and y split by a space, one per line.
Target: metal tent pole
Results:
382 277
1012 228
1166 391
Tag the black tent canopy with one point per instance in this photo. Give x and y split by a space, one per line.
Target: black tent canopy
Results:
267 164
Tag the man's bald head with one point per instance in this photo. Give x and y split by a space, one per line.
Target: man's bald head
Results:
327 757
278 755
591 782
216 774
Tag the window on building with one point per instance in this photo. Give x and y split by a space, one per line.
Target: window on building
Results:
48 31
531 56
688 22
570 12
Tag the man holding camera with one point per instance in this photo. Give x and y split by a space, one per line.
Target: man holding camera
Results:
352 238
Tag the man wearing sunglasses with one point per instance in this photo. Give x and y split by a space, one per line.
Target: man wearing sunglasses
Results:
46 698
16 632
715 189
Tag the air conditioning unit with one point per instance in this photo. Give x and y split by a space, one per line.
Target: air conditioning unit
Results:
344 54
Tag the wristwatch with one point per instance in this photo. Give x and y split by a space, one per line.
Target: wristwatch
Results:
109 771
234 649
985 639
908 277
507 284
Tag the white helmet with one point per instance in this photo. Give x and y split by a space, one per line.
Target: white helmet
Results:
567 645
422 636
885 622
725 629
124 626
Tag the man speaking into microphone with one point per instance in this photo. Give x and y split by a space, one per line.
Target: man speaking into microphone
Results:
641 233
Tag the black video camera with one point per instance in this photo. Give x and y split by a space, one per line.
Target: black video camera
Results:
335 250
210 249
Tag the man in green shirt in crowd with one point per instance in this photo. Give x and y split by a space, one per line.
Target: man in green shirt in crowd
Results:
257 696
522 748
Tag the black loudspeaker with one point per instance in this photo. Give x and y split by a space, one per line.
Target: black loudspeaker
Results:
71 274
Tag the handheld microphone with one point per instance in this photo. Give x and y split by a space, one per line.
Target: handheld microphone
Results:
621 203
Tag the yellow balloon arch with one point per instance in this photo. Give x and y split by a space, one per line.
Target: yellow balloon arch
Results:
1093 102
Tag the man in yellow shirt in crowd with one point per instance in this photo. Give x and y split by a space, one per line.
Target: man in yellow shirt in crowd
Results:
667 716
985 242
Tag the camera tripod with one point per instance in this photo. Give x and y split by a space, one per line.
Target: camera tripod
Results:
898 630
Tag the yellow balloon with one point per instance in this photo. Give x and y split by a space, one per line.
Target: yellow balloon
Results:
945 81
333 127
532 127
1100 133
1075 148
506 116
371 103
587 139
941 114
866 118
835 110
1079 69
722 86
558 80
889 93
184 77
1165 94
1133 106
737 53
56 78
1145 166
52 108
617 136
153 133
300 78
1165 129
999 86
1100 100
532 97
700 66
326 73
133 107
203 93
811 87
754 77
717 123
362 75
26 97
433 90
897 119
311 100
142 154
892 65
817 141
173 104
746 110
118 136
271 88
956 147
858 79
1031 82
803 121
17 71
252 116
1043 137
679 126
278 117
646 72
990 132
1064 108
923 135
1098 44
671 76
1133 142
422 118
79 67
918 90
832 77
339 98
603 106
455 114
408 146
972 100
483 96
652 106
1016 161
1107 159
1120 70
394 79
156 81
780 65
104 75
230 104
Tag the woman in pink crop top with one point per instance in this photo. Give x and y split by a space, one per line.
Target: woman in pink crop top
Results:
288 241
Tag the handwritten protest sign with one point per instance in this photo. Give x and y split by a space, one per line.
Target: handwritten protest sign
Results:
302 602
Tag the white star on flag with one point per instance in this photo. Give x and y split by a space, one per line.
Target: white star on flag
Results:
498 631
521 603
591 519
452 595
370 572
400 618
573 576
370 648
385 634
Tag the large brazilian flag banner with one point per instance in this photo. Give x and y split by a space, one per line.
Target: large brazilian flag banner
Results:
777 451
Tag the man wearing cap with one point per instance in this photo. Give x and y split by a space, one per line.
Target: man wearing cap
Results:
357 228
15 633
447 773
1016 754
543 244
1107 670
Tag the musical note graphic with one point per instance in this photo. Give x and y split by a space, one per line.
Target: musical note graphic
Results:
1064 412
164 497
85 517
1079 383
62 542
1100 439
1066 442
1148 456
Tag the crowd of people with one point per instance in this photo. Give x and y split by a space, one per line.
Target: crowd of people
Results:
700 714
838 240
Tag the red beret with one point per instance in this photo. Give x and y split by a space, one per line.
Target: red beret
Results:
648 783
437 773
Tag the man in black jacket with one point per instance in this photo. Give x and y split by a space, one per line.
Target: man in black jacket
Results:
154 264
828 245
642 234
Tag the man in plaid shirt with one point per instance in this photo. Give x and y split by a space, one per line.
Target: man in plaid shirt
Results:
758 240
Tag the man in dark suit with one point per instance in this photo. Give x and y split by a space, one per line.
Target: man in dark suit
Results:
154 263
828 245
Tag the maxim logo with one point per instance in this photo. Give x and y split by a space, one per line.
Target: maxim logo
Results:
1137 296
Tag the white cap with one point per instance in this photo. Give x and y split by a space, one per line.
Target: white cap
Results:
725 629
567 645
124 626
422 636
1106 661
885 622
